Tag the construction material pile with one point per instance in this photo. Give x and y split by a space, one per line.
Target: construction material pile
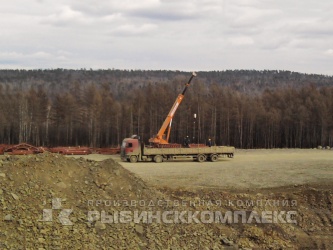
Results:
27 149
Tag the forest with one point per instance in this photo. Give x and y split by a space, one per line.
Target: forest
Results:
98 108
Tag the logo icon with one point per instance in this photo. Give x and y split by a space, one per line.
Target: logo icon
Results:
63 216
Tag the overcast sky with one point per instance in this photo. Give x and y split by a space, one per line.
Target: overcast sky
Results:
185 35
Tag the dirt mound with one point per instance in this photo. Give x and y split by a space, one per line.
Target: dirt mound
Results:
49 201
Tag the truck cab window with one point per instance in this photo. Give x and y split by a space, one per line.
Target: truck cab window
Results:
129 145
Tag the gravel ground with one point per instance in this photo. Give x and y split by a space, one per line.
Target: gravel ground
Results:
249 169
33 188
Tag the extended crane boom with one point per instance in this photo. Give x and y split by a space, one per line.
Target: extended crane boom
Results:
160 137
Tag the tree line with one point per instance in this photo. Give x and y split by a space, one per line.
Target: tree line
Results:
247 81
93 115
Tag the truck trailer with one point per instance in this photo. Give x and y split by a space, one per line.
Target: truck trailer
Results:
133 150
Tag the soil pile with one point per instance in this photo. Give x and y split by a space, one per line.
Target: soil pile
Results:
49 201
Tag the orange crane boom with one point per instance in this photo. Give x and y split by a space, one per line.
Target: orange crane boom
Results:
160 137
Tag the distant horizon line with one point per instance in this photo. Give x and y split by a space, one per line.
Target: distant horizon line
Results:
169 70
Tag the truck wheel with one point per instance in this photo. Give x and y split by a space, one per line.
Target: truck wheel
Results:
214 158
158 158
133 159
201 158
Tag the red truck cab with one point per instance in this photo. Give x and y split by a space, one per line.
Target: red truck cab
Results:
130 149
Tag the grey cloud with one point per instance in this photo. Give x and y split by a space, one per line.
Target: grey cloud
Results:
148 9
65 16
162 15
315 28
133 30
168 34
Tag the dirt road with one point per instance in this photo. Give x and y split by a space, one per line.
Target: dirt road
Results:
249 169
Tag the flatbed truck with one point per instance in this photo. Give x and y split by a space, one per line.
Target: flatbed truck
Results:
132 150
